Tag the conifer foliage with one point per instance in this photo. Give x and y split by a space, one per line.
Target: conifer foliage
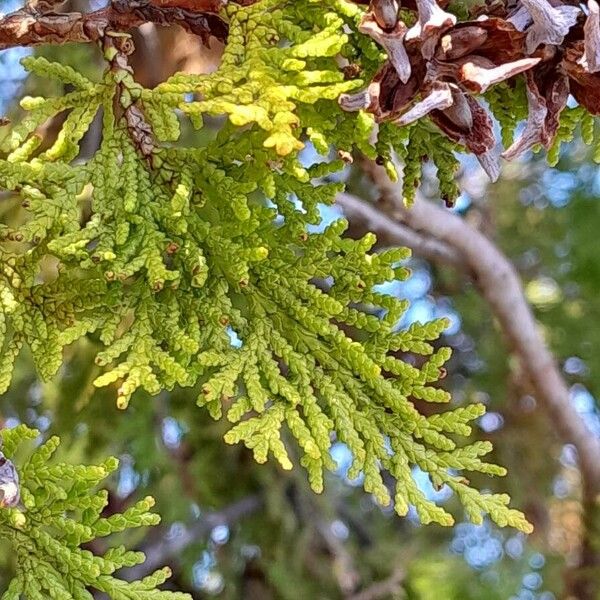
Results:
58 512
166 252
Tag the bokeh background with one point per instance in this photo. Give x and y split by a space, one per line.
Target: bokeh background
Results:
233 529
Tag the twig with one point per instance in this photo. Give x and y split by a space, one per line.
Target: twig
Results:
344 569
166 549
25 28
383 589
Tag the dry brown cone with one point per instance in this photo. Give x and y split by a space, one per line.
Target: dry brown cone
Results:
437 67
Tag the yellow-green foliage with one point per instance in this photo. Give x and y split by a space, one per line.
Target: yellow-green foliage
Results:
571 119
181 250
59 512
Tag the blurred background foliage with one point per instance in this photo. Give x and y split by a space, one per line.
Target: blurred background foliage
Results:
259 533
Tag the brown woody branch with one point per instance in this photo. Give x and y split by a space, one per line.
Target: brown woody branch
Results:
32 27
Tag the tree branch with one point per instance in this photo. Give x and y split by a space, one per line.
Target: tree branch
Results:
382 589
31 27
445 237
164 550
